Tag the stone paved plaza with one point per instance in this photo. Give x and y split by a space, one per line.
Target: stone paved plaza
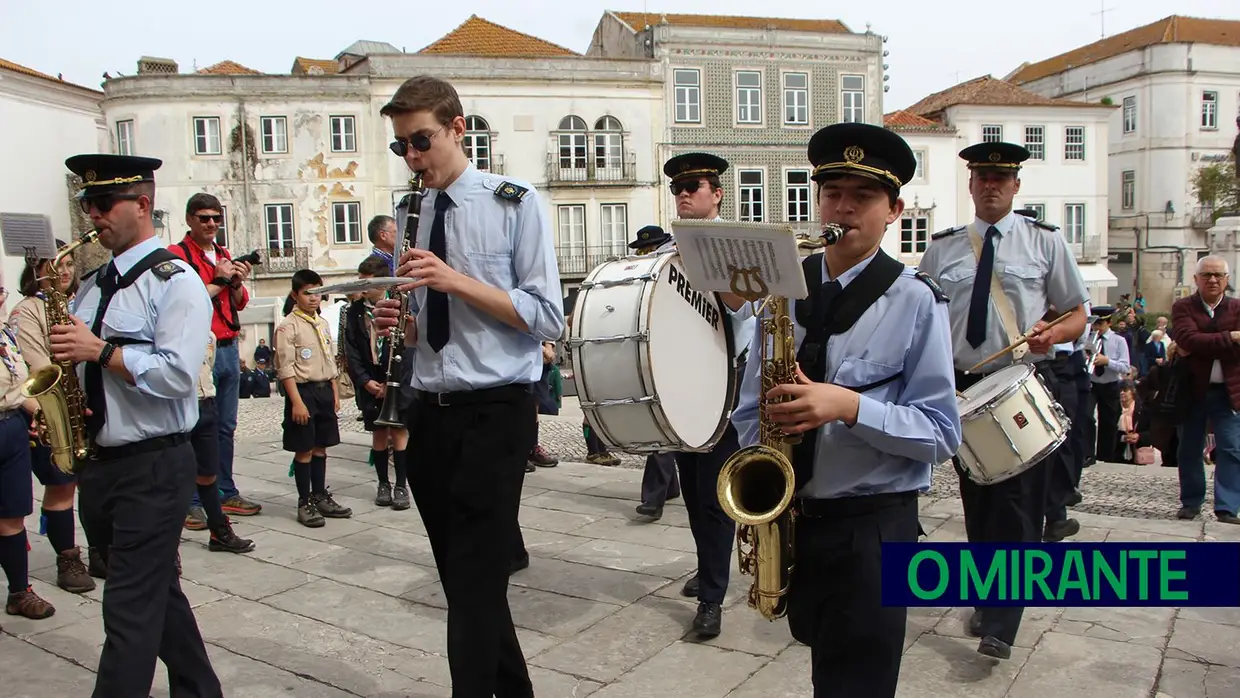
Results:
354 608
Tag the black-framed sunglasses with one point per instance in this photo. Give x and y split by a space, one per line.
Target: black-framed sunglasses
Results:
418 141
205 218
105 202
691 186
1220 275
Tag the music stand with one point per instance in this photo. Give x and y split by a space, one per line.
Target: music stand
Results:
752 260
27 235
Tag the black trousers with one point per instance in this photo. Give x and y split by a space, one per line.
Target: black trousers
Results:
659 481
1065 467
835 597
1085 431
465 477
1011 511
713 531
1106 395
134 504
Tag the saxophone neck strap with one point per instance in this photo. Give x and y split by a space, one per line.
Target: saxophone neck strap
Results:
157 256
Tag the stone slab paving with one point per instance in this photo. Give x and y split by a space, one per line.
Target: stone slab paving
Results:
355 608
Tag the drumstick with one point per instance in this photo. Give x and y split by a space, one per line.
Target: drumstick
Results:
1017 343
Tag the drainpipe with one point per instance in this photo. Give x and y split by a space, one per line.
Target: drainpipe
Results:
245 190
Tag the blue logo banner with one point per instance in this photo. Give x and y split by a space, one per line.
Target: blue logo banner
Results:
1061 574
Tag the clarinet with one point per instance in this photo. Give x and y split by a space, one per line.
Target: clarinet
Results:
389 414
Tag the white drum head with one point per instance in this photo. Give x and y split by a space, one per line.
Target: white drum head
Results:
981 394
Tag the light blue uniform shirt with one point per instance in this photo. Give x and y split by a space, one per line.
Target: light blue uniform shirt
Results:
1079 344
904 426
1118 362
502 243
172 319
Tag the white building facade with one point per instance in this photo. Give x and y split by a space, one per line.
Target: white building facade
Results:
930 197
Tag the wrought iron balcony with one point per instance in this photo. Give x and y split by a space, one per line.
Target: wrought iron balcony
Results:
1202 217
575 261
590 171
283 261
1089 250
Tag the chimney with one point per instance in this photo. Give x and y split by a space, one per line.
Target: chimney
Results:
148 65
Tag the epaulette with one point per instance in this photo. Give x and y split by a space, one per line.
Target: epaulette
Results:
945 233
167 270
939 296
511 192
94 271
1044 225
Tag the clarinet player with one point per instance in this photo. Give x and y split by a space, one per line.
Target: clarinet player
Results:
485 296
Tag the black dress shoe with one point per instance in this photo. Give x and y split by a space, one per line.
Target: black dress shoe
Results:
1057 531
650 511
1187 513
691 588
994 647
519 564
1074 498
709 620
974 626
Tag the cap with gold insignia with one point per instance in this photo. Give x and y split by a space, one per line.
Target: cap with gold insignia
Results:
694 165
997 155
103 174
650 236
863 150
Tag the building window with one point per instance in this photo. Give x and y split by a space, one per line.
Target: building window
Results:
914 234
796 194
615 223
1130 115
608 149
1209 110
920 172
688 88
275 134
477 142
1039 210
1074 143
572 236
1074 223
347 223
1035 142
748 97
221 233
992 133
796 99
1128 189
124 137
206 135
344 134
279 227
852 96
752 197
572 143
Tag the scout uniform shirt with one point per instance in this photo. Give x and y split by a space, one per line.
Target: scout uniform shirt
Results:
12 372
29 323
206 374
304 349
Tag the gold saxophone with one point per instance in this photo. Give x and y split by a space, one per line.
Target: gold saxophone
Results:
757 483
61 420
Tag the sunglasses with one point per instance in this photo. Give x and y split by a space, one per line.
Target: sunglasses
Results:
204 219
690 186
105 202
418 141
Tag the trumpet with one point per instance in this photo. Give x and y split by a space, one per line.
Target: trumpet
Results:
389 413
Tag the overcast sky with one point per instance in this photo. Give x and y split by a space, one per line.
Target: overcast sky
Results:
931 47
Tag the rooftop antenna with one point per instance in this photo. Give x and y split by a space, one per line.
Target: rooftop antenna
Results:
1102 17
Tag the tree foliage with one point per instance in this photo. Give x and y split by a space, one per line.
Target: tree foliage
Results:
1217 187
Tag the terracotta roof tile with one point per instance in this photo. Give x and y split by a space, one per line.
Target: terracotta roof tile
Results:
639 20
314 66
1169 30
31 72
986 91
906 121
479 37
228 68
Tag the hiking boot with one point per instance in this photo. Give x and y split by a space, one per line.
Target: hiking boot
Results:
383 498
308 515
224 540
28 605
240 506
98 563
400 498
196 519
329 508
71 574
542 459
603 458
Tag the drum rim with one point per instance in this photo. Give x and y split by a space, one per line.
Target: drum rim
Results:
1002 395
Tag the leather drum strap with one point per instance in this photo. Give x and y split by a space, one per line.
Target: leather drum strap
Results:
1007 316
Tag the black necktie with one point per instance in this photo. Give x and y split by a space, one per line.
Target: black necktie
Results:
95 401
1102 351
437 301
979 305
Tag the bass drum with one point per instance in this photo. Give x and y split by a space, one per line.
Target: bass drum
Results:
652 358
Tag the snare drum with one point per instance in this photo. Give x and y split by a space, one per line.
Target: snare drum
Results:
1010 422
652 358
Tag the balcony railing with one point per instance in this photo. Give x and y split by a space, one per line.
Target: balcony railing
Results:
283 261
496 164
577 261
578 172
1202 217
1089 250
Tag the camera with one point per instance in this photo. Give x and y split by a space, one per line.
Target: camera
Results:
252 259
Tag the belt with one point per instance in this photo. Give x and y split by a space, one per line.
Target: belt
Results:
225 342
9 414
503 393
856 505
157 443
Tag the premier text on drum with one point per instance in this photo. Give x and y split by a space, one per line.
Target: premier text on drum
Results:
701 303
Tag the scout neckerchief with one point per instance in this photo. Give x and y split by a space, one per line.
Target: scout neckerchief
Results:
7 355
325 340
376 342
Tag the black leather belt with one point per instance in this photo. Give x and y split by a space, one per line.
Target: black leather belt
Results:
157 443
503 393
856 505
225 342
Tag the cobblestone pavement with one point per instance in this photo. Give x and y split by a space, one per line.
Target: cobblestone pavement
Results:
355 608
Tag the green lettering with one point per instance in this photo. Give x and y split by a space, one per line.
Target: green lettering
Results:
969 577
1015 592
1102 568
1037 576
944 575
1072 576
1166 575
1143 571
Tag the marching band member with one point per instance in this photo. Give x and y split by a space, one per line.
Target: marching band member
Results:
486 295
875 406
139 335
1036 272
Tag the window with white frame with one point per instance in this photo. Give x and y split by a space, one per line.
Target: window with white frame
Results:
796 99
920 157
615 226
1074 223
1130 115
1128 189
914 234
748 97
1039 210
1074 143
346 222
221 233
274 130
796 195
751 196
1035 142
344 134
279 219
571 239
992 133
1209 110
688 95
124 137
207 135
852 96
572 144
477 142
608 149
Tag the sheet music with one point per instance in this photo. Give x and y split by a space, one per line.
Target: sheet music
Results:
27 233
712 250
